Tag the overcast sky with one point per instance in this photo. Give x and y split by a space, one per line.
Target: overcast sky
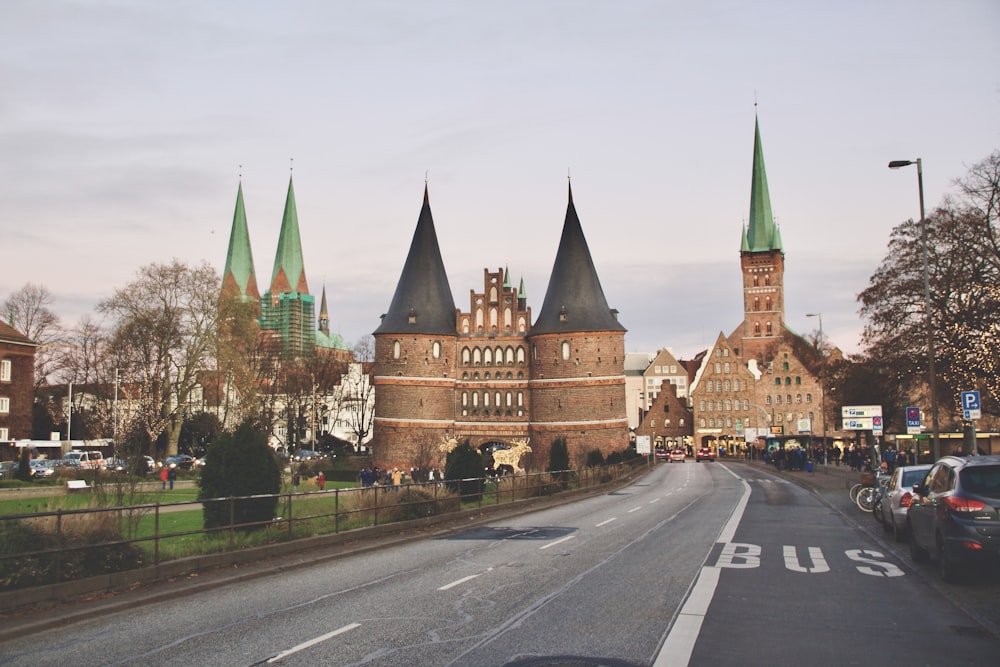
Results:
125 126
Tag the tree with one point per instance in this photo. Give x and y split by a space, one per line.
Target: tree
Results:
241 360
27 310
963 259
558 455
238 465
164 335
463 469
359 390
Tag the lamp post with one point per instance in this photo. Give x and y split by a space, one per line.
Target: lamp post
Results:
896 164
822 385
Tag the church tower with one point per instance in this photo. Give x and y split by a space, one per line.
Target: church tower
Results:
414 367
239 280
762 260
577 357
287 308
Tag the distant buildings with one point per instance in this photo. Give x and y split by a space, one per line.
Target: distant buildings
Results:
17 384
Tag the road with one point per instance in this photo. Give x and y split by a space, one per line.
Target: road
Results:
701 564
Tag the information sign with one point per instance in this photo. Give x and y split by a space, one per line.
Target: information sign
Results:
971 407
913 421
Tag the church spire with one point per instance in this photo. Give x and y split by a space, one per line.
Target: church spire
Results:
574 300
422 303
289 270
324 315
761 234
238 278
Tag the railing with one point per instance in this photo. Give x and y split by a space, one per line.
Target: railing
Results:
50 547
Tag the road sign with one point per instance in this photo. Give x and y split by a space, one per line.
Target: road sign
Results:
858 424
877 424
855 411
971 407
913 421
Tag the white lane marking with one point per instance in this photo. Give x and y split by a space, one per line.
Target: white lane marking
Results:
313 642
552 544
604 523
654 500
457 582
679 645
634 509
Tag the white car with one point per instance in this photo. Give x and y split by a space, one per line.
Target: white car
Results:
898 494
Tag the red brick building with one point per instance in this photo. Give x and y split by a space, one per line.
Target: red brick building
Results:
490 375
17 384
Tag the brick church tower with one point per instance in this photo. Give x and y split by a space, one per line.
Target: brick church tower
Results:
489 375
762 260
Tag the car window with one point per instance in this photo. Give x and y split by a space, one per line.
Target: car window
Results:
982 480
939 479
913 477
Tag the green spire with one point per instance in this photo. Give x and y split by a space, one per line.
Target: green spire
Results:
506 277
521 293
239 278
289 272
761 235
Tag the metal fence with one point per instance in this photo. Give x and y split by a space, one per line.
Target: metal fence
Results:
50 547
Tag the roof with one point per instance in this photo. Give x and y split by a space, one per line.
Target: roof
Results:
239 272
761 235
289 273
422 302
574 300
9 334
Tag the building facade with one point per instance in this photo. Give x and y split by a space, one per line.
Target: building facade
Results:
17 383
490 375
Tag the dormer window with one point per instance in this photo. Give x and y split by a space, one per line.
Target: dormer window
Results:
563 317
412 317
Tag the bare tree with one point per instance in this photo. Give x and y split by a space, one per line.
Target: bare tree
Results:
163 336
359 390
28 310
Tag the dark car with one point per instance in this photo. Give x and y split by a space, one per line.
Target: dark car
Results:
183 461
955 514
704 454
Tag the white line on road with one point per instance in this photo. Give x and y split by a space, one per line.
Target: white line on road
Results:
603 523
654 500
552 544
313 642
457 582
634 509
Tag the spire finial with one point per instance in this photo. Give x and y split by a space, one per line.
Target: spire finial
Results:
239 172
426 172
291 165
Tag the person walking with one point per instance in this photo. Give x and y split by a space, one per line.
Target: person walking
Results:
295 481
163 477
172 476
320 480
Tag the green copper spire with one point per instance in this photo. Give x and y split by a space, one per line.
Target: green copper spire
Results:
289 272
761 235
521 293
506 277
238 278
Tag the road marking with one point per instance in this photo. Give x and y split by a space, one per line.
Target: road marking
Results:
634 509
604 523
313 642
552 544
654 500
457 582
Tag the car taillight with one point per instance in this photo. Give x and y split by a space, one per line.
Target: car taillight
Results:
906 499
964 504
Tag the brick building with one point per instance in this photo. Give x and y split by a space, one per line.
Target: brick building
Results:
17 384
490 375
668 422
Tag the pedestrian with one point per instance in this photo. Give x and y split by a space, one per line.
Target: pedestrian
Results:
295 481
172 476
163 478
320 480
397 478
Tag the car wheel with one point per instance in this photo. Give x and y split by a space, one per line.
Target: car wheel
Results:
917 553
950 572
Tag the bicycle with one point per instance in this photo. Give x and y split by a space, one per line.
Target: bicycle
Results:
870 495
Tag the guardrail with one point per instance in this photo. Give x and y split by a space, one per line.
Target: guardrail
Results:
45 548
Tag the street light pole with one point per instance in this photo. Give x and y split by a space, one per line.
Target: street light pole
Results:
896 164
822 384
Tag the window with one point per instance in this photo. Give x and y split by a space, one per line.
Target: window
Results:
565 350
4 434
488 357
5 371
798 398
784 366
701 406
477 356
767 400
727 385
4 405
718 385
746 404
396 349
798 380
726 368
436 350
736 385
708 386
777 399
770 329
466 356
465 398
718 367
809 398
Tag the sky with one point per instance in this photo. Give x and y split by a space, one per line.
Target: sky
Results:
126 127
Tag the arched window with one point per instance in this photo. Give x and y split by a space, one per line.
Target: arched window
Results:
767 303
736 385
498 355
488 357
396 349
702 422
788 398
493 294
798 379
479 319
718 386
777 399
466 355
510 356
809 398
718 367
729 406
496 399
770 329
520 324
701 406
565 350
756 303
746 404
520 399
493 319
727 386
475 400
486 399
477 356
784 365
756 280
708 386
465 399
767 400
798 398
767 278
520 355
756 328
465 325
507 319
509 399
436 349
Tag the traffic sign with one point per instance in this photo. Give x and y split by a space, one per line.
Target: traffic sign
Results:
971 407
877 424
913 421
854 411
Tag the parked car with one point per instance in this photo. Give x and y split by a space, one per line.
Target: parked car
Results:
86 459
182 461
139 465
704 454
955 514
661 454
41 468
307 455
898 493
677 455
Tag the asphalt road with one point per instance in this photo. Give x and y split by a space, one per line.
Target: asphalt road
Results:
701 564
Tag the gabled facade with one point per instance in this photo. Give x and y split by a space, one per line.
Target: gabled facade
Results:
17 383
668 422
664 368
490 376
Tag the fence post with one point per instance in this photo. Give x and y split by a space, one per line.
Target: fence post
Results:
376 487
232 522
289 513
336 511
60 543
156 534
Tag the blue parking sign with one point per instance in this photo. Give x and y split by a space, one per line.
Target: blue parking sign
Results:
971 408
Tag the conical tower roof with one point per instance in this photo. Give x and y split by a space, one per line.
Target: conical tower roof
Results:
324 314
574 300
422 303
761 234
289 273
238 278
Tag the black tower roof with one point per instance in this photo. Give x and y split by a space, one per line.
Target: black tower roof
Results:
574 300
422 303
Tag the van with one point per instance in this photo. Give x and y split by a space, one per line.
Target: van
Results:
88 459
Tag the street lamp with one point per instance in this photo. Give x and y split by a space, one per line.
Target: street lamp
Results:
896 164
822 387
